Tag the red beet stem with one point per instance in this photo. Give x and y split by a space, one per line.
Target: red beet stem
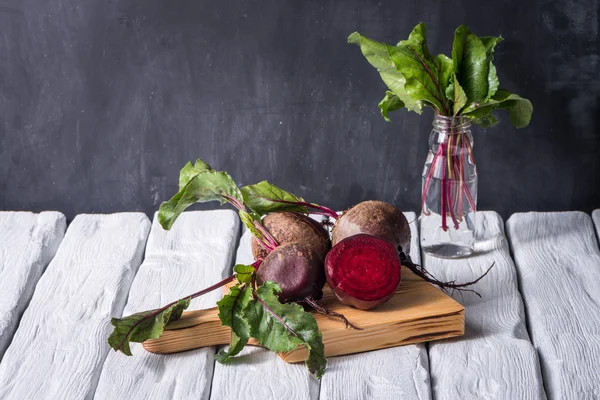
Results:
467 190
443 199
461 166
192 296
269 240
451 166
428 178
322 209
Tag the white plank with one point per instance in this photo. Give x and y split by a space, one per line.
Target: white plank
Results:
60 345
494 359
28 242
395 373
197 252
596 219
558 261
257 373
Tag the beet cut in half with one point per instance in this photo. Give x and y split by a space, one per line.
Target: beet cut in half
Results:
363 271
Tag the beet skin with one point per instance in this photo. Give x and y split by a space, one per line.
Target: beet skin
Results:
376 218
298 270
363 271
287 227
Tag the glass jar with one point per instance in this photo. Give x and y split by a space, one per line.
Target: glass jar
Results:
449 195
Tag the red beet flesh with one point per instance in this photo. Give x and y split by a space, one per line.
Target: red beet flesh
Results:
363 271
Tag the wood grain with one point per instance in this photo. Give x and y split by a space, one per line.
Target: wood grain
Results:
28 242
558 261
60 345
495 359
197 252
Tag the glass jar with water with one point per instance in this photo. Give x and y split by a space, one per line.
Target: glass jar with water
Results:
449 195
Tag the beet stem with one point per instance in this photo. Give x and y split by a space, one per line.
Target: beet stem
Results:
467 190
264 245
270 240
192 296
277 317
267 241
234 202
461 167
322 310
451 205
443 199
323 210
428 178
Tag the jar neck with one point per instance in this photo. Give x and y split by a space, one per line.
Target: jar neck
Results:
444 126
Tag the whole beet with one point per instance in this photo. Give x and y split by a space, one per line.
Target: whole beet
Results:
287 227
375 218
298 270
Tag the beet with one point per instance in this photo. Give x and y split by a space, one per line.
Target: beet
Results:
363 271
288 227
298 270
375 218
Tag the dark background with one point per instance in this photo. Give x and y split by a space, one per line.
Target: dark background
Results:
102 102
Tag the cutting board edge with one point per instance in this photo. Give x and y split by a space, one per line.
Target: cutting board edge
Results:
300 354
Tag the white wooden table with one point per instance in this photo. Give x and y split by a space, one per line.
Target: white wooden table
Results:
535 334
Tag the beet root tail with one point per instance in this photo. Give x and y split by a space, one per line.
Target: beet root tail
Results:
322 310
422 273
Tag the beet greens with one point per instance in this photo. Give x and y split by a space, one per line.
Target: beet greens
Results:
465 85
250 309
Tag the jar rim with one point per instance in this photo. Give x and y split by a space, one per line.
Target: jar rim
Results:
451 122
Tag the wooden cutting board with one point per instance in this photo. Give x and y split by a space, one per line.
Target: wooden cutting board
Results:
418 312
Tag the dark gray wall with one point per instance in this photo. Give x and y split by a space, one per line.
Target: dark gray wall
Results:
102 101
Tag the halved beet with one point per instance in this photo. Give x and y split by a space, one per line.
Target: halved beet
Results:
363 271
298 270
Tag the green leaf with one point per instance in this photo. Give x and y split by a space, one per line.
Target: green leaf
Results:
427 77
378 55
471 64
493 82
456 94
519 109
231 313
486 121
390 102
243 272
144 325
282 327
264 198
237 344
445 66
189 171
490 42
208 185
